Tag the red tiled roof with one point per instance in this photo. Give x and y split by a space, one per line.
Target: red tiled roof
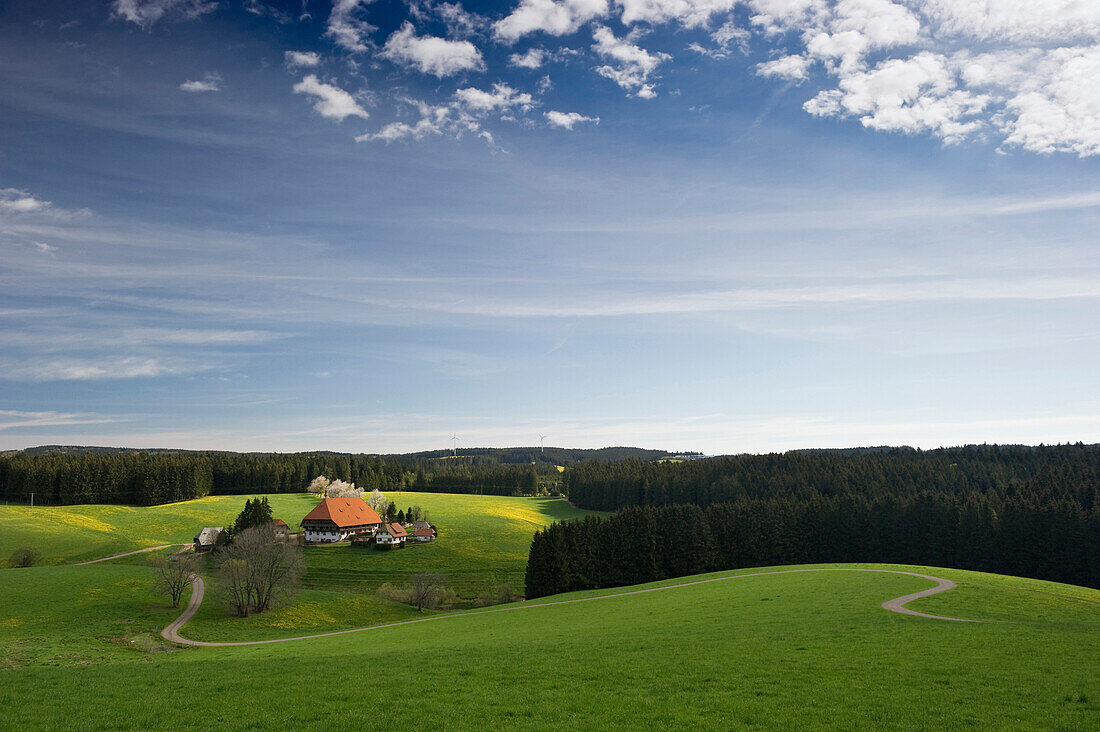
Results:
279 522
425 531
397 530
344 512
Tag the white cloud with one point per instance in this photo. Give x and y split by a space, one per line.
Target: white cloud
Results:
210 82
147 12
1022 71
347 27
434 120
633 65
530 60
1057 108
98 369
555 17
332 101
688 13
794 68
502 97
302 59
566 120
1022 21
728 34
460 23
14 200
10 419
431 55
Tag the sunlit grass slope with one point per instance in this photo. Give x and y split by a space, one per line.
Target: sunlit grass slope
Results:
480 529
75 533
811 650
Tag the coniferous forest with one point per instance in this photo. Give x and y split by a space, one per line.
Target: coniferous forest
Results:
1013 510
154 477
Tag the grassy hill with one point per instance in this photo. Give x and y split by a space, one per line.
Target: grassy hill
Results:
482 526
775 651
482 548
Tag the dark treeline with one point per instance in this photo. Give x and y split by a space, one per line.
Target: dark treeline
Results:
1042 474
458 476
148 478
1025 511
1055 540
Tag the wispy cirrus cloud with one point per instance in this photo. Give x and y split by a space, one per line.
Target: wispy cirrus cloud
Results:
15 420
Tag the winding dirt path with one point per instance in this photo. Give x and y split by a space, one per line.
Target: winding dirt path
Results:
127 554
897 605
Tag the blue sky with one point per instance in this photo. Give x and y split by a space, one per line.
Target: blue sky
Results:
688 224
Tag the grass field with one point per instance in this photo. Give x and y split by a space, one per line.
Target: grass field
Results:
74 533
491 528
811 650
482 547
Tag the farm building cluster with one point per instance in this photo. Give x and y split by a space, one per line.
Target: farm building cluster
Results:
338 519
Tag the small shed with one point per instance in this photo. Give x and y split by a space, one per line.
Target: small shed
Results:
280 528
424 534
206 539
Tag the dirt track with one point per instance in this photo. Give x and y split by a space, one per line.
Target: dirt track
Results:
896 605
127 554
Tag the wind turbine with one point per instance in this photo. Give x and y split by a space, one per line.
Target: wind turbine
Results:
541 438
454 444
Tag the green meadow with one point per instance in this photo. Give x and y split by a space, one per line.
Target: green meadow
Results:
811 650
481 530
482 548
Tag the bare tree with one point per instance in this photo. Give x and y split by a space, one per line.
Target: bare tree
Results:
235 583
173 574
257 570
426 589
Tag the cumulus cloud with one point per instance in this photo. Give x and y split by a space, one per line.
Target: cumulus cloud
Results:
688 13
210 82
460 22
434 120
532 59
502 97
347 27
463 114
332 101
632 65
554 17
302 59
566 120
14 200
1022 72
431 55
793 68
147 12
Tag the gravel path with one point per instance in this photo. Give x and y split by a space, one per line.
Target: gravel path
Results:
127 554
896 605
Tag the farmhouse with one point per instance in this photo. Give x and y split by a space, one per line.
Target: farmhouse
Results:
207 538
335 519
425 533
390 535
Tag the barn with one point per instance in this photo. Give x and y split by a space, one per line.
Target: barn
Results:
335 519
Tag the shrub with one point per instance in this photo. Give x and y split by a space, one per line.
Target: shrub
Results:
26 556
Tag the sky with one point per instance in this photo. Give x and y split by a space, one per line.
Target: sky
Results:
697 225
